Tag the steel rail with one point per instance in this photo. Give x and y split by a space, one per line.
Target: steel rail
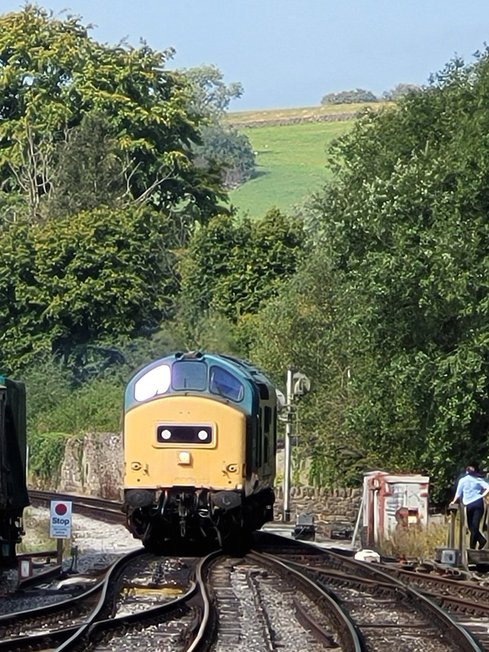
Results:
353 640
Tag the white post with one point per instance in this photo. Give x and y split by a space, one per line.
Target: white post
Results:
288 443
357 522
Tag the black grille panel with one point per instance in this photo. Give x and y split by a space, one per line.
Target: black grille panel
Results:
178 434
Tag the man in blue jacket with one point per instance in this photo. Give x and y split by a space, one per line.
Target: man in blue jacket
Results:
471 490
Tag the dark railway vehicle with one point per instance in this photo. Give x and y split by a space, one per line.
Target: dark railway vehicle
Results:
199 450
13 453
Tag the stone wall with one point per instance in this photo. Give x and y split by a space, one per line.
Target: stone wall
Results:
331 508
94 466
280 122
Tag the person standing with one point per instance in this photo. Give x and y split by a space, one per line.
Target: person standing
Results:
471 490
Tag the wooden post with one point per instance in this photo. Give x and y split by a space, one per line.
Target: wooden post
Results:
59 551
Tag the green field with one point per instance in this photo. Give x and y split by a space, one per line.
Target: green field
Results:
291 163
291 158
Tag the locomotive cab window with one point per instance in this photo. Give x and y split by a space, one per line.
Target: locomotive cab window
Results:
266 429
156 381
189 374
225 384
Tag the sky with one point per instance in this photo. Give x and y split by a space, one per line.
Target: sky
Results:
290 53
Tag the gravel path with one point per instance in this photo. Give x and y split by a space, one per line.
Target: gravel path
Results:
97 545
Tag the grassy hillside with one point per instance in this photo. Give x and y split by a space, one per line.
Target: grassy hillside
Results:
290 146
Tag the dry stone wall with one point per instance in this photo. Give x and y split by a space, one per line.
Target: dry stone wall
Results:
93 465
279 122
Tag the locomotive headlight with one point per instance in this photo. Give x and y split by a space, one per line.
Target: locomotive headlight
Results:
203 435
166 434
184 457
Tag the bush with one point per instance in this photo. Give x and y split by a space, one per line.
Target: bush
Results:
46 452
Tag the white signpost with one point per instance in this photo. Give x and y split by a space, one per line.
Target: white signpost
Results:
60 519
60 523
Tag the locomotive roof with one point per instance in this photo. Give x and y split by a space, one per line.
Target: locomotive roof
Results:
247 374
243 367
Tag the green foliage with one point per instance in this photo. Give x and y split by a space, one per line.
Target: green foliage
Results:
52 74
305 336
89 169
231 268
46 451
399 91
230 151
97 275
404 228
349 97
388 313
210 94
213 332
95 406
221 147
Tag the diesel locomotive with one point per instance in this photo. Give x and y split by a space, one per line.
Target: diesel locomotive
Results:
199 450
13 453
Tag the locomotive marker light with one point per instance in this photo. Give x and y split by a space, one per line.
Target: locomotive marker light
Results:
298 384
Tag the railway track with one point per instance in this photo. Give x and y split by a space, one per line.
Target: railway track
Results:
267 606
285 594
108 511
388 612
288 600
142 601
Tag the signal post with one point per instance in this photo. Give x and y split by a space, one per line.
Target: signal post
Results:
298 384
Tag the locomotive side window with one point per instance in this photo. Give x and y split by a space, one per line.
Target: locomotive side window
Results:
226 385
156 381
189 374
266 428
263 389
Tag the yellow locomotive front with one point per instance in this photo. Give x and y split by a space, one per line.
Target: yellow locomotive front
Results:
199 449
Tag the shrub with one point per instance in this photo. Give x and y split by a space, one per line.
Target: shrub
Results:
46 452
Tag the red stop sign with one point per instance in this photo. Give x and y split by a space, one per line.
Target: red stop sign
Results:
60 509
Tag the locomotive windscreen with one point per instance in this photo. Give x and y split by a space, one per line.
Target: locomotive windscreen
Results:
189 374
225 384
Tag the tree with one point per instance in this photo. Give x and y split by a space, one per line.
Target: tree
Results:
89 169
52 74
211 96
399 91
349 97
230 151
233 267
222 148
299 327
405 229
93 277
